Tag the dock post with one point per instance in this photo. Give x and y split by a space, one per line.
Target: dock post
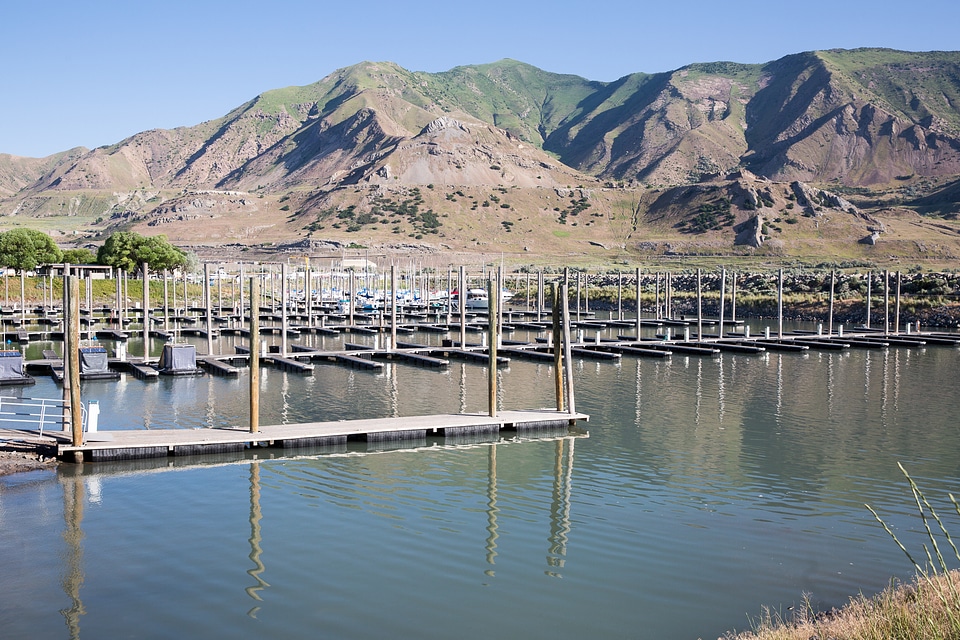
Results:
733 299
284 318
557 346
145 269
76 403
254 355
780 304
67 345
833 282
449 303
639 303
886 302
723 294
166 300
699 306
567 355
586 291
462 304
208 307
242 284
579 286
493 295
393 307
657 313
308 290
620 295
540 295
896 308
869 295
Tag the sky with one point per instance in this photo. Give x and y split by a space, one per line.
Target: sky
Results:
91 73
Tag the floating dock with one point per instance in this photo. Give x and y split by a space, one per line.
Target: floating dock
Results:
158 443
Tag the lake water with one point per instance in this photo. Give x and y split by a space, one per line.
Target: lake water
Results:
701 490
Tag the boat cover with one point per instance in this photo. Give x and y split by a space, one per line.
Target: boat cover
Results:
11 365
93 360
178 357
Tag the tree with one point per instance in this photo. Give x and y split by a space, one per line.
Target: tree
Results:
127 250
79 256
24 249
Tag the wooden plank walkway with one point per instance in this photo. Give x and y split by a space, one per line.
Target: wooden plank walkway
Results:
155 443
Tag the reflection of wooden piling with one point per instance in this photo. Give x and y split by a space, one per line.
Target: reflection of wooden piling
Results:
254 355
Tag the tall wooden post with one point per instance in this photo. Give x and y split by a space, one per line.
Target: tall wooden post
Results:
145 268
76 404
723 295
166 300
639 301
733 299
567 355
462 302
869 296
780 304
896 309
833 282
393 307
208 307
886 302
284 318
619 295
557 345
68 345
699 306
493 295
254 354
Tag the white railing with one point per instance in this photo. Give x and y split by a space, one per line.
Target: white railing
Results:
32 413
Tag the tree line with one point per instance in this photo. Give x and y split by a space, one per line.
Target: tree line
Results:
26 249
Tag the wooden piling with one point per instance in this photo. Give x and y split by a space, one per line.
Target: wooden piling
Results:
896 309
699 306
493 296
723 295
886 302
869 296
145 269
639 301
780 303
462 304
76 404
254 355
284 315
833 282
557 346
567 356
393 307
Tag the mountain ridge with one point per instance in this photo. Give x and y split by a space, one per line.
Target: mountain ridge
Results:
875 119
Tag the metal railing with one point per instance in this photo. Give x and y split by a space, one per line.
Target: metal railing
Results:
34 413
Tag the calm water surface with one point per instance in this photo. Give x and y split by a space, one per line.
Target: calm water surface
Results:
701 490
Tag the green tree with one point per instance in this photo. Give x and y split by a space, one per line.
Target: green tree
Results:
79 256
24 249
127 250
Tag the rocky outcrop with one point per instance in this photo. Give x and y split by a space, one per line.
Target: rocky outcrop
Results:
750 233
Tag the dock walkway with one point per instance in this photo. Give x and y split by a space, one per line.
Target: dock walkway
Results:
157 443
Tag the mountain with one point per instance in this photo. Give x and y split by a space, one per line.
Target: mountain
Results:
382 151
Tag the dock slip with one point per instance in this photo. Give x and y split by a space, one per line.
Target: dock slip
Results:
158 443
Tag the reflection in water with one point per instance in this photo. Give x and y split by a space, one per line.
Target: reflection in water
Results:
255 539
560 508
492 509
73 536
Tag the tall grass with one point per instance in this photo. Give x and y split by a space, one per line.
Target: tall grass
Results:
926 608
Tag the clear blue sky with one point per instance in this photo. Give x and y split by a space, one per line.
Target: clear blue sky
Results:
92 73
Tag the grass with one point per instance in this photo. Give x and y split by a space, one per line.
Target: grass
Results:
926 608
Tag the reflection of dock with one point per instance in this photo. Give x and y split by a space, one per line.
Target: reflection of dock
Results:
143 443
